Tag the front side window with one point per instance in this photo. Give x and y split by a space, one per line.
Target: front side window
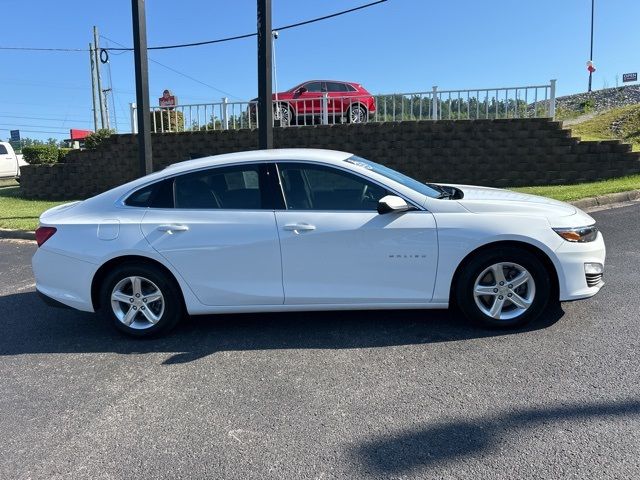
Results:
236 187
314 187
314 87
3 150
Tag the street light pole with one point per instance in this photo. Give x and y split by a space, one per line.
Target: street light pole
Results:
265 108
591 51
142 86
275 74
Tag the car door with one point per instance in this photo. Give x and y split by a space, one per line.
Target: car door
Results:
308 103
7 163
338 99
337 249
221 235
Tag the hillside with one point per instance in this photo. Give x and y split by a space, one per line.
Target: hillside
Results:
580 104
618 123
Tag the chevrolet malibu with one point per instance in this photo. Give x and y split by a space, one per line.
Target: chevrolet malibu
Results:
302 229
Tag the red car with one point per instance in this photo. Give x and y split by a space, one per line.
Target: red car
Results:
302 104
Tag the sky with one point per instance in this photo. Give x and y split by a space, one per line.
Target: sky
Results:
394 47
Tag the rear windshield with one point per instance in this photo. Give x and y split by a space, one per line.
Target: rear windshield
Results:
394 175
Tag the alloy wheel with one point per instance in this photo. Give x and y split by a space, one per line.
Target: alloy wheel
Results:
504 291
357 114
137 302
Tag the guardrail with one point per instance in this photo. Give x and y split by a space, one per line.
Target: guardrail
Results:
482 103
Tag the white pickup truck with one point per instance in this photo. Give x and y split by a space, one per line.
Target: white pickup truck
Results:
10 163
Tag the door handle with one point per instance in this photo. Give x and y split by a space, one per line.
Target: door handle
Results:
299 227
172 228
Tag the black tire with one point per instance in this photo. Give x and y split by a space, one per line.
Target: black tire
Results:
285 120
364 116
153 277
538 292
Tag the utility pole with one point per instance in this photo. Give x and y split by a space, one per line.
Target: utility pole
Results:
96 55
265 108
142 86
591 51
93 87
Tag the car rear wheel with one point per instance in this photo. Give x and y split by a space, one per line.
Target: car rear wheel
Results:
283 113
357 114
139 300
507 287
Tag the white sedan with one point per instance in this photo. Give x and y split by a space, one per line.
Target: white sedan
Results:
302 229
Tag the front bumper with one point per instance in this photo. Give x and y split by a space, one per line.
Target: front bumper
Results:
572 278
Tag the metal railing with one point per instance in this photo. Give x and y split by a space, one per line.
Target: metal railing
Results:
484 103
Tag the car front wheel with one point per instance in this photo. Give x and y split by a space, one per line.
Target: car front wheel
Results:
140 300
505 287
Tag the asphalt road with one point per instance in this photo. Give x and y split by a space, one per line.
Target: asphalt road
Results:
325 395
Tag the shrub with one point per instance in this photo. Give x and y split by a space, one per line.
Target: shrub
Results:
167 121
62 152
95 139
40 154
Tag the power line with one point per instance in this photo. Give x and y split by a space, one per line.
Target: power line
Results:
206 42
40 49
35 126
178 71
46 119
36 131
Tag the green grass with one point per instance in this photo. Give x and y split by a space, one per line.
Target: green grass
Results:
600 127
568 193
19 213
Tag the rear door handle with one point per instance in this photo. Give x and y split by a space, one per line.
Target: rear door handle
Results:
299 227
172 228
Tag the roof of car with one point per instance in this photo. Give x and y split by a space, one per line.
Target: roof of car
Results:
326 80
312 154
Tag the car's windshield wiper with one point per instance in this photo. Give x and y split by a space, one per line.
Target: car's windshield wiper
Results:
443 193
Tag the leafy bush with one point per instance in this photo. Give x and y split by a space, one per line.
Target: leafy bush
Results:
95 139
588 105
37 154
62 152
167 121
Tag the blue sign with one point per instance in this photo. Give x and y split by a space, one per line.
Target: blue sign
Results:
630 77
15 135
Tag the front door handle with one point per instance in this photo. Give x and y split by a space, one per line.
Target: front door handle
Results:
299 227
172 228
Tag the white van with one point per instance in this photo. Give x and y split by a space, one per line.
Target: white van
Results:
10 163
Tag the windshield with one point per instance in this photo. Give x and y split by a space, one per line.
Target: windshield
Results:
409 182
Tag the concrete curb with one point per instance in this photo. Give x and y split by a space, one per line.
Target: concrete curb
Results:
17 234
585 203
606 200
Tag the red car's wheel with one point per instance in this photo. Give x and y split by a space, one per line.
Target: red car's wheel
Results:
284 114
357 114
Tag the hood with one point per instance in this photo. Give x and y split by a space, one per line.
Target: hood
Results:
495 200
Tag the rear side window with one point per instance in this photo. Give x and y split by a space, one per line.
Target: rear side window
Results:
3 150
140 198
156 195
337 87
238 187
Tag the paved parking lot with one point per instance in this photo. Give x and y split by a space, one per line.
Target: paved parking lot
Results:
325 395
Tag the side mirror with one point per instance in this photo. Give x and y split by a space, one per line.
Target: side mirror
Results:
302 90
391 203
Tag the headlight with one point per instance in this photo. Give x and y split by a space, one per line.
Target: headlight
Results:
578 234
